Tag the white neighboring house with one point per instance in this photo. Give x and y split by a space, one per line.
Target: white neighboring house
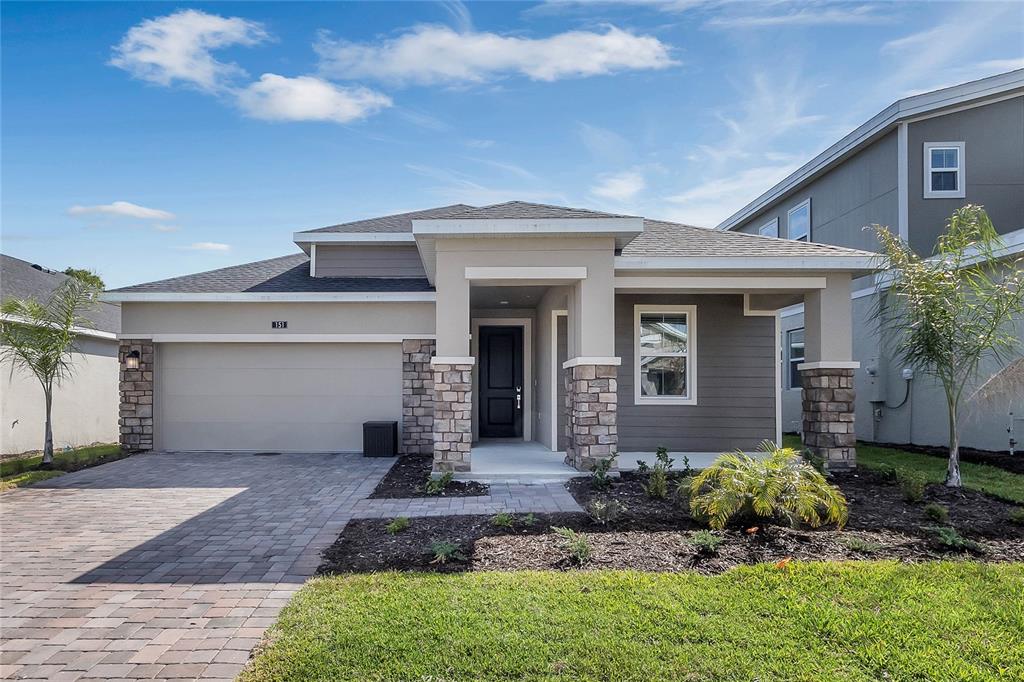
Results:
85 406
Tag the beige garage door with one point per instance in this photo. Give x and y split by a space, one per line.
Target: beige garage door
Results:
298 397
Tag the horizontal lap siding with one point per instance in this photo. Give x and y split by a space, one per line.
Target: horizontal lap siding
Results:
735 366
368 261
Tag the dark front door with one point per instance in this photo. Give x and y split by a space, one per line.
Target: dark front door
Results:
501 382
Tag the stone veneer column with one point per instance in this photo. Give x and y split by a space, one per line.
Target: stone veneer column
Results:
417 397
591 398
453 414
828 416
136 386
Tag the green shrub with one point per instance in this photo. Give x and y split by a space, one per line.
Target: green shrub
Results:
657 483
605 512
397 525
1016 516
949 538
577 544
661 454
683 489
781 486
687 470
436 486
861 545
706 542
815 460
911 484
642 467
936 512
503 520
530 519
445 551
600 479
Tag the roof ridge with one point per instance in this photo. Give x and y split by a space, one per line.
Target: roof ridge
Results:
226 268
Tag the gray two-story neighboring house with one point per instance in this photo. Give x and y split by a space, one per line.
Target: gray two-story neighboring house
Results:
908 168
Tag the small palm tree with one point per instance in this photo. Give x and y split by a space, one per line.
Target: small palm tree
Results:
40 338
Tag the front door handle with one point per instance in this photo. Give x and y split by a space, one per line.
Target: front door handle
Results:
519 397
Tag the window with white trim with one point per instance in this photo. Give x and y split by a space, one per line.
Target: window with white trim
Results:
770 228
944 170
665 340
798 222
794 355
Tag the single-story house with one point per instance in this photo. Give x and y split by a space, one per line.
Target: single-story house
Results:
562 330
85 408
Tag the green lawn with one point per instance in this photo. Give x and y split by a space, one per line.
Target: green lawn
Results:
849 621
16 473
988 479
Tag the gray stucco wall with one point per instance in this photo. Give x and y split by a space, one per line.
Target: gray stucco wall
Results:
861 191
735 367
994 155
355 260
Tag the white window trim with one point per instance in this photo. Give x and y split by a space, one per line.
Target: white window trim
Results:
691 354
961 172
789 219
774 222
790 359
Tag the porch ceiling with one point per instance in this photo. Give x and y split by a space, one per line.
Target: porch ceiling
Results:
505 296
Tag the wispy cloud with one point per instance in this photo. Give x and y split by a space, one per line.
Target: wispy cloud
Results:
456 187
166 228
604 145
711 202
478 144
121 209
206 246
307 98
459 14
177 49
507 168
619 187
430 54
788 15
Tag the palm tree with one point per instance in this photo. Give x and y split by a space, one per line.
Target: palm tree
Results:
40 338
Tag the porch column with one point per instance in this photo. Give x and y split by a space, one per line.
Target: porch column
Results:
827 374
135 414
452 368
591 373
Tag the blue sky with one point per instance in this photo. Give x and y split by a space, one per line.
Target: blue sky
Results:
146 140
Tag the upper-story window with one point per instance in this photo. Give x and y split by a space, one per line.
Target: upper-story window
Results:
944 170
770 228
799 222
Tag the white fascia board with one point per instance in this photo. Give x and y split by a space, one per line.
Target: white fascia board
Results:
78 331
750 264
278 338
878 125
523 226
353 238
282 297
738 283
526 273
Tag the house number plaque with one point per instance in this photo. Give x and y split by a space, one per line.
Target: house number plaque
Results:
279 324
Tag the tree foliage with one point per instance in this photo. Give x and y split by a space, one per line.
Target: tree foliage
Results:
90 277
949 312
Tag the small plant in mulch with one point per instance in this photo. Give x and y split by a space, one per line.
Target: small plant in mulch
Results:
1016 516
912 485
937 512
397 525
600 478
503 520
780 487
605 512
579 547
949 538
530 519
657 481
445 551
706 542
437 485
860 545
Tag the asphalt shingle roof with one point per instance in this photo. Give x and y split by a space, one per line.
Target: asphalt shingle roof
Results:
661 238
21 279
512 210
400 222
284 274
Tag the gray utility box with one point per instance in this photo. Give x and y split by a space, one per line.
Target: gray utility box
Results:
380 439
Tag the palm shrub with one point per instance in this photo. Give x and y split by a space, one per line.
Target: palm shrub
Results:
780 486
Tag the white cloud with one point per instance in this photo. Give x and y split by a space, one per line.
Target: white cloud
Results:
711 202
177 47
307 98
166 228
438 54
803 16
455 187
478 144
122 209
206 246
619 186
604 145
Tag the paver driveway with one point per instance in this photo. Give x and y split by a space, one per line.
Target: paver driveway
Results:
165 566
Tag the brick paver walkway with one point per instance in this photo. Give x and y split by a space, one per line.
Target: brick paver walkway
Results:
170 566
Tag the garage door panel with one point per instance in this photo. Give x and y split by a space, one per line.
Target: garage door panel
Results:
281 396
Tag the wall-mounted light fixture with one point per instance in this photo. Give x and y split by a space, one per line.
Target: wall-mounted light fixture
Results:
131 361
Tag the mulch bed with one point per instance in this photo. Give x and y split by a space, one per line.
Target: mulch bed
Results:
654 535
1003 460
409 474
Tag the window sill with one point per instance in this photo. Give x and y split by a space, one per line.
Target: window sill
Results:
664 401
945 195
